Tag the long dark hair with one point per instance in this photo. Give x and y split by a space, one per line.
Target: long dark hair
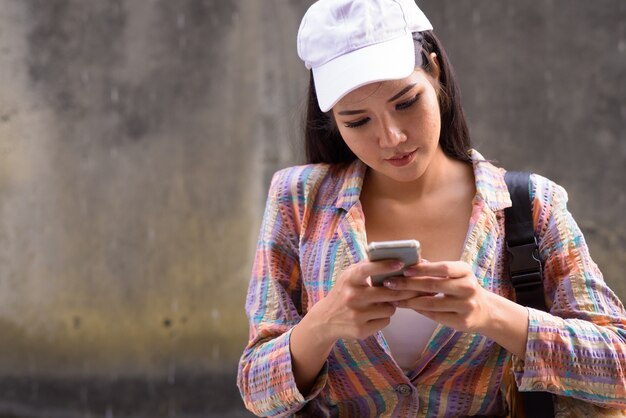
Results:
323 143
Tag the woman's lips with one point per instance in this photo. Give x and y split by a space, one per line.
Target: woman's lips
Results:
401 159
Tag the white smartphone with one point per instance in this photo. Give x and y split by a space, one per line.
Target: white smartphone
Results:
408 251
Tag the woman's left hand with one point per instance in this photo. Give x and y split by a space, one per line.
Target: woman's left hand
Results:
451 294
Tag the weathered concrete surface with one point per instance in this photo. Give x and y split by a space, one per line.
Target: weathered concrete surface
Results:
135 143
137 139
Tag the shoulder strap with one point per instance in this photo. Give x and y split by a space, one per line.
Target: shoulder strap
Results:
526 270
524 262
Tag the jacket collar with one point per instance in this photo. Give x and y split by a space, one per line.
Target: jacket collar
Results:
490 185
351 185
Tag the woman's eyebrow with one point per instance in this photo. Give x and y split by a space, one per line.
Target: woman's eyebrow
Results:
402 92
350 112
396 96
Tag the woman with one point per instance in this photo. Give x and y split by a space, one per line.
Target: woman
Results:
390 158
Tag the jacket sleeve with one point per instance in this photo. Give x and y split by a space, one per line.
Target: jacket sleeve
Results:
579 348
273 306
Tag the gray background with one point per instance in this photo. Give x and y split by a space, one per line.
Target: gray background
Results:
137 139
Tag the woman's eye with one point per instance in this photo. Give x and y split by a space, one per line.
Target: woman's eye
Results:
357 123
408 103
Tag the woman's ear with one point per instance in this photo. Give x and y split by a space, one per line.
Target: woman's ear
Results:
435 72
433 63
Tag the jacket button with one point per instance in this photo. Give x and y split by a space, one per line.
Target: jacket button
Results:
404 389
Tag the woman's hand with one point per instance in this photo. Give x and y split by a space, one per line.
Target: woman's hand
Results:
355 309
351 309
450 294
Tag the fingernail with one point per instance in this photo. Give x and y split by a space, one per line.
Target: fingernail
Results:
397 265
389 283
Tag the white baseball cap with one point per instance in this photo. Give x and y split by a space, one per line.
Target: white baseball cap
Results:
351 43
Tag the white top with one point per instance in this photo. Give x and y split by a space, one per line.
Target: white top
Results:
407 335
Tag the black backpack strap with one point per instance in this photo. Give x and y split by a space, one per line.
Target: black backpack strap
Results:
525 269
524 262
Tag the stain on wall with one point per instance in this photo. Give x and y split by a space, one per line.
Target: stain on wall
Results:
122 227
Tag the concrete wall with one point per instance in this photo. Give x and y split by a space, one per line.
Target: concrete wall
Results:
137 139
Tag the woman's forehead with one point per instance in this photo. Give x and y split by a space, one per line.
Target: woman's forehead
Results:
380 90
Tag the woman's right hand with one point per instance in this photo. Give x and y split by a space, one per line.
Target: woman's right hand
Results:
352 309
355 309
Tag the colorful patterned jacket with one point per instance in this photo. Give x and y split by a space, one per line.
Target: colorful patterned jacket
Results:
313 228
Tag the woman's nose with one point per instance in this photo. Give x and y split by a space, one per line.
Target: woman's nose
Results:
391 135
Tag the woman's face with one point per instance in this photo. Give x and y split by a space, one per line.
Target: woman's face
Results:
392 126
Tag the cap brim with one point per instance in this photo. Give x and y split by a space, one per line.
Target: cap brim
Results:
391 60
